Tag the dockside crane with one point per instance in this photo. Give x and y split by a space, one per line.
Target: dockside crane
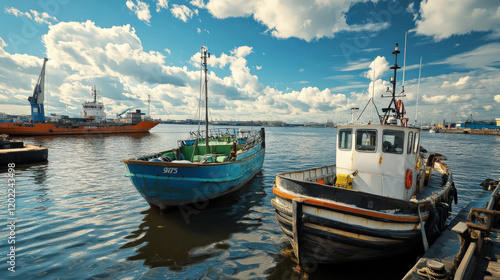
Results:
36 101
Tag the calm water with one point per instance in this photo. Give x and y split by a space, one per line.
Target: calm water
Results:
79 217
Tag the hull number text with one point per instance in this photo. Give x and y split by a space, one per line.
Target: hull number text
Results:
170 170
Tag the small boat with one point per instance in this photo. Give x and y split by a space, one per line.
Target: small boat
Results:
434 130
92 121
209 164
385 195
18 152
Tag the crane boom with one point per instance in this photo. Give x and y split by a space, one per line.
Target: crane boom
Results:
36 101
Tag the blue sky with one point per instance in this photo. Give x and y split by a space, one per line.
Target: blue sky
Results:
292 60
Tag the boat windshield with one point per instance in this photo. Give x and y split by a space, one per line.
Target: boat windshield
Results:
410 142
366 140
393 141
416 143
345 139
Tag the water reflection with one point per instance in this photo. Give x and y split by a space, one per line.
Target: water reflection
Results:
176 238
386 268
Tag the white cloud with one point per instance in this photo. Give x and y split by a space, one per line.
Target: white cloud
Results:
295 18
83 54
497 98
445 18
411 8
42 18
488 107
198 3
356 65
141 9
182 12
484 56
434 99
17 13
462 83
378 67
161 4
242 51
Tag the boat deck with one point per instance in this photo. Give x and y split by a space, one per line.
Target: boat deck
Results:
435 184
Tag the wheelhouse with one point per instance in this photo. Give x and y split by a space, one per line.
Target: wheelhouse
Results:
378 159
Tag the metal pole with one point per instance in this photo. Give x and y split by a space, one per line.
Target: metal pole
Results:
418 90
204 57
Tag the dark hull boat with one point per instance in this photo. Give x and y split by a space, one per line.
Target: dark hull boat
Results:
328 224
18 152
385 195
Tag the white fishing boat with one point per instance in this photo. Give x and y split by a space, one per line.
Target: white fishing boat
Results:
384 196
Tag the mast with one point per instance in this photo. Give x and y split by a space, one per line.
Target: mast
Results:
204 56
149 104
373 88
94 93
418 90
404 63
392 80
36 101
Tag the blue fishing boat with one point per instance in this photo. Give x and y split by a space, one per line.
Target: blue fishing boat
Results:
208 164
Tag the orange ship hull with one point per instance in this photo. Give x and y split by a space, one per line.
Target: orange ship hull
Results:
39 129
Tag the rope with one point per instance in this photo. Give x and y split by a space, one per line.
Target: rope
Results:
431 274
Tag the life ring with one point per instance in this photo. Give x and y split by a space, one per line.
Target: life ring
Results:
408 179
401 107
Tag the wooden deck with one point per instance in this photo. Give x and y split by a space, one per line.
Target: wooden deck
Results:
484 262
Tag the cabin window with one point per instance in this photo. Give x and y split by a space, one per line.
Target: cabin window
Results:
366 140
416 143
410 142
345 139
393 141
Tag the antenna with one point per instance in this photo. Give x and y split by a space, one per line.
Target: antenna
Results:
353 113
404 64
418 89
373 87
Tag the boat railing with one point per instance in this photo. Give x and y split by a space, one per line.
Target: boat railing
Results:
323 175
225 132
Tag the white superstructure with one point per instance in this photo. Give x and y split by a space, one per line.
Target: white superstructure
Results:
93 110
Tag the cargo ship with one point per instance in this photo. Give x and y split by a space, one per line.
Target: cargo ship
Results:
92 121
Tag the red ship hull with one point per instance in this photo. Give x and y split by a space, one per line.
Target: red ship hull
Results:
39 129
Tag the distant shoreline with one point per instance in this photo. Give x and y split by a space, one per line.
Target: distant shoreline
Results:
471 131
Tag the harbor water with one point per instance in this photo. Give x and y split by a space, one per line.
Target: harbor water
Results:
79 217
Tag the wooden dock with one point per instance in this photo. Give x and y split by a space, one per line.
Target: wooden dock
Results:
466 250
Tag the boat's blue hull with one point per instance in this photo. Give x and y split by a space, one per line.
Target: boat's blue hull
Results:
166 184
